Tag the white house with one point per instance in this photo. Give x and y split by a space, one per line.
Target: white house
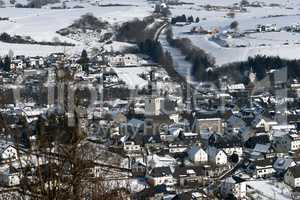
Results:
216 156
130 146
229 146
236 87
266 27
292 176
287 142
125 60
197 154
294 142
161 175
235 187
17 64
263 122
174 117
264 168
7 151
36 61
233 149
10 177
178 147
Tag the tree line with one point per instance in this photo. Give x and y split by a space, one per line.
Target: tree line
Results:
155 51
203 65
201 61
17 39
260 65
183 18
137 31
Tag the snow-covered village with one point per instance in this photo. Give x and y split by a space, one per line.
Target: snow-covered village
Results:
149 99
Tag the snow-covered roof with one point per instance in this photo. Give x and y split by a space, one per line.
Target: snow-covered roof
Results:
160 161
239 86
175 131
262 148
212 151
136 122
4 145
269 189
283 163
236 121
294 136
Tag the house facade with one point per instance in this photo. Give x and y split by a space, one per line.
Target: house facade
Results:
216 156
10 178
287 142
231 186
197 154
292 176
161 175
8 152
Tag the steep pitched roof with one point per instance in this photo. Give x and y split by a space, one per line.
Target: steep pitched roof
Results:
263 162
228 142
194 150
282 163
188 170
160 172
295 171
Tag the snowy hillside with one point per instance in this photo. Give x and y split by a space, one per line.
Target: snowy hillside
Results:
281 43
42 24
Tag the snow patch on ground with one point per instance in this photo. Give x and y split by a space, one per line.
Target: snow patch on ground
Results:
130 75
270 189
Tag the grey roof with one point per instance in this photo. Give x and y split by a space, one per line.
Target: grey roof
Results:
160 172
295 171
263 162
282 163
186 171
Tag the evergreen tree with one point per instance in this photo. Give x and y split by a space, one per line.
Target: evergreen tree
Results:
183 18
230 197
157 51
191 19
84 61
1 64
7 63
197 20
198 69
234 25
234 158
173 20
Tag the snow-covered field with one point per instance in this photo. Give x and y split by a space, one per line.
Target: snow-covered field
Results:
268 39
283 44
131 76
269 190
228 55
35 50
42 24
